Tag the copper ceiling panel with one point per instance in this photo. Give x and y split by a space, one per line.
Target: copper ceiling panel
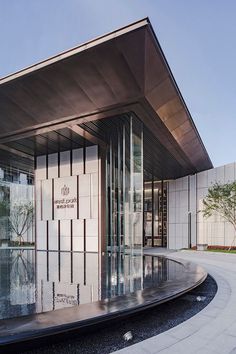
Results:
121 72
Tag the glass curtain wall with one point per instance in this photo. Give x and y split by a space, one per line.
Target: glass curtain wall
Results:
124 186
16 207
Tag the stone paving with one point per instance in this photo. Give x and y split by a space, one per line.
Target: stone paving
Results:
213 330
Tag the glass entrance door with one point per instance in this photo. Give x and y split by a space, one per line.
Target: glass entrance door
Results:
155 214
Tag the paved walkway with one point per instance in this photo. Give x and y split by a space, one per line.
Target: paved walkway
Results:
212 330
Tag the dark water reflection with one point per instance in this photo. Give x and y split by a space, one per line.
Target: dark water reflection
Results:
43 281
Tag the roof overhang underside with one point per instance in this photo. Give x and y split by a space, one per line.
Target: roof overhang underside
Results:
122 72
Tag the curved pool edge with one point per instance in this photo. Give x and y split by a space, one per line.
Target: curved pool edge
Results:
37 326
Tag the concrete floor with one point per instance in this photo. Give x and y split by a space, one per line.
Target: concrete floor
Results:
211 331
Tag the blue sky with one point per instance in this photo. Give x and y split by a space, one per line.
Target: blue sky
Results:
198 39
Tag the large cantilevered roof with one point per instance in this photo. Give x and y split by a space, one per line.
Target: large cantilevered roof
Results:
124 71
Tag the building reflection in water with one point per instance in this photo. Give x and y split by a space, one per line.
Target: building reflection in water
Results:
44 281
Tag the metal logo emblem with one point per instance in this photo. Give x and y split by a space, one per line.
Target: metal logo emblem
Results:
65 190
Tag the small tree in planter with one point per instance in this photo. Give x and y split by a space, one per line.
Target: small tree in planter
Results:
221 198
21 219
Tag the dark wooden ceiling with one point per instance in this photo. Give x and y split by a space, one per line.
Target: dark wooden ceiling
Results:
118 73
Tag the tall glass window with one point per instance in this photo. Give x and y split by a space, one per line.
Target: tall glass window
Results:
124 178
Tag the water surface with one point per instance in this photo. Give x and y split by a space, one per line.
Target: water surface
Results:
34 282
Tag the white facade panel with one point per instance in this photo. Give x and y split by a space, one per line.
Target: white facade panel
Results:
92 269
84 208
78 263
53 266
94 184
47 199
78 228
202 180
84 185
65 167
94 207
91 163
92 227
53 165
38 200
77 162
179 185
185 183
183 201
171 186
65 264
229 173
53 235
78 244
91 244
171 199
172 215
211 177
41 235
65 235
220 174
40 172
214 230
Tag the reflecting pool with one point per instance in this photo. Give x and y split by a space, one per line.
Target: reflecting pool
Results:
35 282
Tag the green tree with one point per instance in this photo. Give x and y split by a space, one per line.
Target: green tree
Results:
21 218
221 198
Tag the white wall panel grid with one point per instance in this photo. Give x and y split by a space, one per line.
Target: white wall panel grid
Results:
52 169
214 230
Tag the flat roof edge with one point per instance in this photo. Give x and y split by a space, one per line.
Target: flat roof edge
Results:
70 52
179 93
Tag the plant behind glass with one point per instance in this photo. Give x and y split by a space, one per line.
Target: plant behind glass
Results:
21 219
